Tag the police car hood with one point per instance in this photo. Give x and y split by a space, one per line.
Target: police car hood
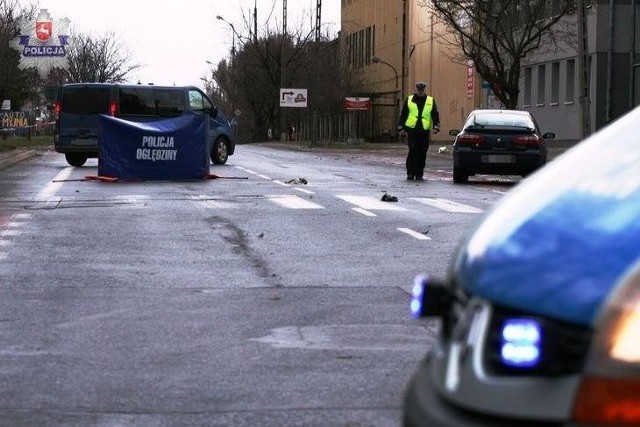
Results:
558 243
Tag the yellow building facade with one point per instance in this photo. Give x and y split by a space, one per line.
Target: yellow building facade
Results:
391 44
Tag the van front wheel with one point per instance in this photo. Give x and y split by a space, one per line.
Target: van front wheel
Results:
220 152
76 159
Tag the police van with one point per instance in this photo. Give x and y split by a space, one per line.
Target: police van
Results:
79 105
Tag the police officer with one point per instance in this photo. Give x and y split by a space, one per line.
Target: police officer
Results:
418 116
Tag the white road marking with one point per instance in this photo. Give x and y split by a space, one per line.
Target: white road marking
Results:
446 205
21 216
247 170
268 178
347 337
3 255
5 242
499 192
370 203
14 224
364 212
302 190
294 202
4 233
205 202
281 183
50 189
415 234
133 201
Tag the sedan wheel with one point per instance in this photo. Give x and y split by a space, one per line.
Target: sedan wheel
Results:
459 176
220 152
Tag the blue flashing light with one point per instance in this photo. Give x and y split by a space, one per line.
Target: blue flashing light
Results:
416 308
417 295
521 345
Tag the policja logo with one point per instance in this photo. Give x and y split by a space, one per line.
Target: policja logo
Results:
44 44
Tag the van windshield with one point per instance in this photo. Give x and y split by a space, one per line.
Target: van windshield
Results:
85 100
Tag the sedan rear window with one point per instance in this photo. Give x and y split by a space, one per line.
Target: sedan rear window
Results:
506 120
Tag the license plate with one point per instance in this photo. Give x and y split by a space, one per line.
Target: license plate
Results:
84 142
498 158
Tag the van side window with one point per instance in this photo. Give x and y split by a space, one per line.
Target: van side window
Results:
137 102
169 102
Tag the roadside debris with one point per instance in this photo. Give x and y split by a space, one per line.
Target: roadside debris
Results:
388 198
299 180
443 150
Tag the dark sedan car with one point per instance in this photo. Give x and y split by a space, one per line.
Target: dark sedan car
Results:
539 314
499 142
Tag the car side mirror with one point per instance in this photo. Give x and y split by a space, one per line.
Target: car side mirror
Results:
549 135
212 111
454 132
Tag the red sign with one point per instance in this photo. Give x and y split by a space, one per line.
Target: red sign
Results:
357 104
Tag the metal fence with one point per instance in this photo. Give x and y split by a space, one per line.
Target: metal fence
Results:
38 129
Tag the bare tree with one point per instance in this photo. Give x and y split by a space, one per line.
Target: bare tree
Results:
16 84
498 34
262 63
102 59
251 80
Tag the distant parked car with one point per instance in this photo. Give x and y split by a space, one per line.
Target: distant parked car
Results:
539 316
499 142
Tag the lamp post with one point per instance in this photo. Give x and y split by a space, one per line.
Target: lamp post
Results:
233 36
377 60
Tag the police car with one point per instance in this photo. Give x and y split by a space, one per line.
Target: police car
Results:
540 312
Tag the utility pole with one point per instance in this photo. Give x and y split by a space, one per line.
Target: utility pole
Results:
255 21
318 20
284 17
583 63
283 67
632 57
404 49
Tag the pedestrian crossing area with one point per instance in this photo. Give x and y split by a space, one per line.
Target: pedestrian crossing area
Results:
366 205
11 226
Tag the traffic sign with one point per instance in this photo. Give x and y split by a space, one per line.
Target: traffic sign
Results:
296 98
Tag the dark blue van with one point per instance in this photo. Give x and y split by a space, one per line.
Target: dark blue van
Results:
79 105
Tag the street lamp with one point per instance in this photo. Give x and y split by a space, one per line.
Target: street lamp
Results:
233 35
377 60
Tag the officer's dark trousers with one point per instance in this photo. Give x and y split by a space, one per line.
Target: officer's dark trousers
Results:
418 145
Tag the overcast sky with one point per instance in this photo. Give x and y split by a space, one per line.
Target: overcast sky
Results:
173 40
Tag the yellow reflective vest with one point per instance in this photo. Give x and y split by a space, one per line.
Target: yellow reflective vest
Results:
412 117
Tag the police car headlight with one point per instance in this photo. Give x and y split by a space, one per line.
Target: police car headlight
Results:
610 390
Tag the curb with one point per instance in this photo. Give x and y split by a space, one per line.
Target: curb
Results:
10 158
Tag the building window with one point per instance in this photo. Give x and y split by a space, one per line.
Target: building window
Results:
541 84
555 83
527 86
367 56
571 79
